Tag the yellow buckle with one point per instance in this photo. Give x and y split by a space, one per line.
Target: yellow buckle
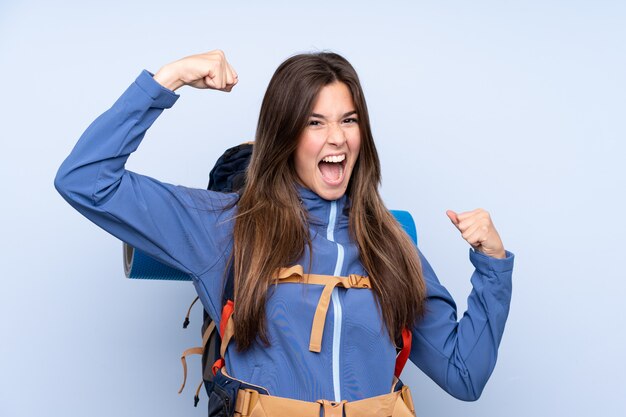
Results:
246 400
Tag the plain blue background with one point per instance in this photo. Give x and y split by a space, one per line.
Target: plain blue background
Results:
515 106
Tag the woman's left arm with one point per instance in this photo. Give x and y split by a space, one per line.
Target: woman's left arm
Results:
459 355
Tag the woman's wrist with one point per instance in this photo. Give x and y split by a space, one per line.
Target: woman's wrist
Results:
498 254
168 78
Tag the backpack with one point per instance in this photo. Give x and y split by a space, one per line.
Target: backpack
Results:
228 175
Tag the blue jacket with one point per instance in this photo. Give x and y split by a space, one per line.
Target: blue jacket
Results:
191 229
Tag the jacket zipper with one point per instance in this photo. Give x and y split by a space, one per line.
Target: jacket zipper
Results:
337 310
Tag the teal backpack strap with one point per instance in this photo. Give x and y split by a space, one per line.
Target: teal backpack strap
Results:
141 266
406 220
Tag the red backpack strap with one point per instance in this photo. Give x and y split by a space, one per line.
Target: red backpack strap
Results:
227 311
227 329
403 356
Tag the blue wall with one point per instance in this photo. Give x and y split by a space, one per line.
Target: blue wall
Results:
517 107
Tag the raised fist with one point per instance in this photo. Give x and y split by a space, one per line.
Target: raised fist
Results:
478 230
207 70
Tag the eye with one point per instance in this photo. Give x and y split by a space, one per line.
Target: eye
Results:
350 120
314 123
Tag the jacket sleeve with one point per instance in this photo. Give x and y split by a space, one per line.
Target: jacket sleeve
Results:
166 221
460 355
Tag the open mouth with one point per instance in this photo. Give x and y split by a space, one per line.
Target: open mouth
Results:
332 168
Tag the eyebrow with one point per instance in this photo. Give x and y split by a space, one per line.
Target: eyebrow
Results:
321 116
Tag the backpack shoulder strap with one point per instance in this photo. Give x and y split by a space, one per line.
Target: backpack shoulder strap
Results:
229 287
403 342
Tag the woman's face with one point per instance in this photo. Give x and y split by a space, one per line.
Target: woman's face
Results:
329 145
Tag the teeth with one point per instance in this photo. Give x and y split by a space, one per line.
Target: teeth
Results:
334 158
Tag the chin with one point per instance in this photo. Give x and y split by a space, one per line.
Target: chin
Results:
330 194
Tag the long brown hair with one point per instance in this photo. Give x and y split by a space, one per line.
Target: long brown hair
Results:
271 229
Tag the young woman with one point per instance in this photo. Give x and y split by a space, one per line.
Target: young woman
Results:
310 202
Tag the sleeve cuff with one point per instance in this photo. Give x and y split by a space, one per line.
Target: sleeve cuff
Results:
486 263
162 97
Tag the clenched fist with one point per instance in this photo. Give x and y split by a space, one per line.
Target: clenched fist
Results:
478 230
207 70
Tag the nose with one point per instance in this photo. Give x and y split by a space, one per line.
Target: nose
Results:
336 135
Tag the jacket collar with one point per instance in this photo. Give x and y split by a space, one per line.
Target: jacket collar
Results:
319 210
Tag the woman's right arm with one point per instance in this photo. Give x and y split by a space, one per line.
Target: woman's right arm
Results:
166 221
